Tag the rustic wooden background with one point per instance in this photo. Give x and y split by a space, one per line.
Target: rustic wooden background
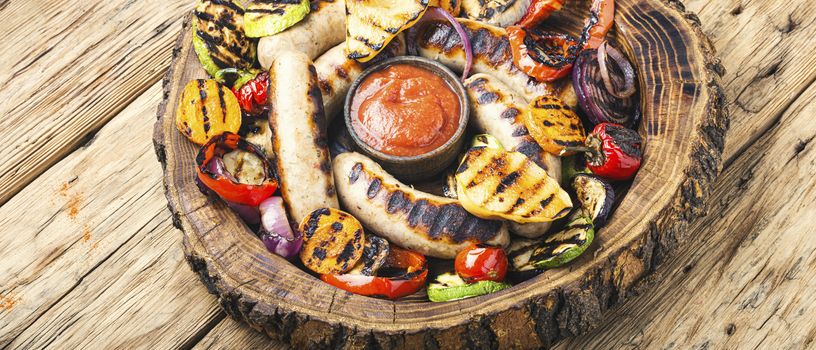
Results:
89 257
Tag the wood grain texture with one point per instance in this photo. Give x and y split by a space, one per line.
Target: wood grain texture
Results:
684 128
94 259
748 282
68 67
229 334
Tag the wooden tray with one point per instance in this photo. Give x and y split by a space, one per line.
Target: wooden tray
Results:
684 124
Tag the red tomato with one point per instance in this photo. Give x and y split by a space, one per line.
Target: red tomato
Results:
481 263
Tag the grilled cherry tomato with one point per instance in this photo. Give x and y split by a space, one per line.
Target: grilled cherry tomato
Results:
538 11
614 152
601 18
479 262
414 272
252 96
542 55
212 173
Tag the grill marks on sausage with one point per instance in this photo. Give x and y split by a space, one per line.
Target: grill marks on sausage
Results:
447 222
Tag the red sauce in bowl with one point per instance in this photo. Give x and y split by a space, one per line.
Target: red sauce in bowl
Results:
403 110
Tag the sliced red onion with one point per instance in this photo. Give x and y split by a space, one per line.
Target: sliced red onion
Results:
596 101
217 167
436 13
276 233
623 64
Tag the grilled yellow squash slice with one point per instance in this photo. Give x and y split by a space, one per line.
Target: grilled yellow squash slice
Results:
371 24
496 184
452 6
554 125
333 241
205 109
218 36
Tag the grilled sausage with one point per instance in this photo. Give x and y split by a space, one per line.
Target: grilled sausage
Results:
497 110
432 225
299 140
491 54
336 72
323 28
500 13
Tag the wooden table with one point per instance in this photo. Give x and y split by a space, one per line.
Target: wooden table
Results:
90 258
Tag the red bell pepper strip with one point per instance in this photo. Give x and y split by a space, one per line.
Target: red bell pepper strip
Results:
544 56
538 11
224 184
416 272
601 18
252 96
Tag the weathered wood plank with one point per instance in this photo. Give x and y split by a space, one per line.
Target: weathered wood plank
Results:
68 67
89 252
229 334
748 280
763 47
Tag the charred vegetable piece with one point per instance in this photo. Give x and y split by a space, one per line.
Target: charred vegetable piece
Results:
542 55
452 6
450 287
571 166
558 249
253 94
218 36
214 174
596 197
411 272
375 253
554 125
614 152
276 233
495 184
606 94
480 262
247 167
538 11
332 241
500 13
600 21
269 17
205 109
371 24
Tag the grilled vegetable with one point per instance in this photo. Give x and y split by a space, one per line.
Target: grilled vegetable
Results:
269 17
606 91
495 184
480 262
554 125
218 36
450 287
600 20
252 95
538 11
544 56
596 197
231 184
207 108
375 252
614 152
371 24
332 241
452 6
409 272
500 13
572 166
486 140
557 249
276 233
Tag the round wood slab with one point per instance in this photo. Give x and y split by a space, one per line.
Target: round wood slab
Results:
684 124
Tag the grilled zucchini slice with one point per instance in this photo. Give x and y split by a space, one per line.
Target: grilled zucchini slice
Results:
554 125
449 287
332 241
496 184
371 24
558 249
270 17
218 36
205 109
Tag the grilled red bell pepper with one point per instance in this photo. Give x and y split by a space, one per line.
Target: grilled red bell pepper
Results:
252 96
614 152
544 56
538 11
601 18
213 175
407 283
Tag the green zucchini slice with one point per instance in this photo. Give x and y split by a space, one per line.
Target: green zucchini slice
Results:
450 287
270 17
218 36
558 249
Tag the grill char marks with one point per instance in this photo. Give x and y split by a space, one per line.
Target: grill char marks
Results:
220 26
